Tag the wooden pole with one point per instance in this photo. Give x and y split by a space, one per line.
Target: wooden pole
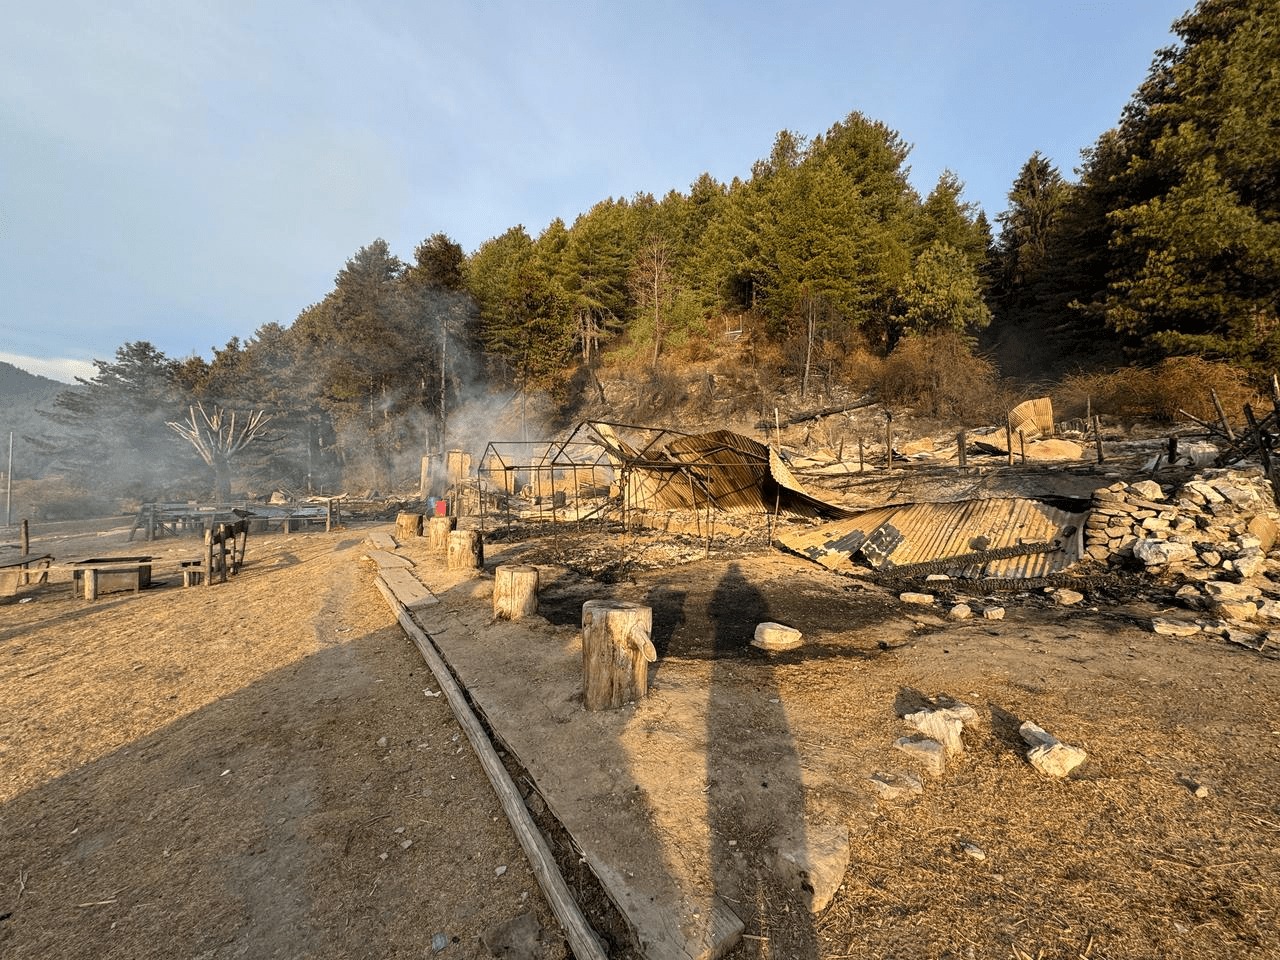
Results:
616 652
515 591
862 459
1217 405
1097 433
581 937
888 446
960 451
1022 446
24 548
208 556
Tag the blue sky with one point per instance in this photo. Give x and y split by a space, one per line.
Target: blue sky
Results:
185 172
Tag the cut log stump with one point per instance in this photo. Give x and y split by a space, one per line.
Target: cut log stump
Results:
515 591
408 525
466 550
616 653
438 530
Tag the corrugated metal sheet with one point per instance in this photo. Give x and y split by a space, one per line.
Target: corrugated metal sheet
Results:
721 469
950 537
1033 418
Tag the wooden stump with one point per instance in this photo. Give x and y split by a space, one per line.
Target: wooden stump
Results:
466 550
408 525
616 652
515 591
438 530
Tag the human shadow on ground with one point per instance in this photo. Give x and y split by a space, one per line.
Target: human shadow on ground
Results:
755 793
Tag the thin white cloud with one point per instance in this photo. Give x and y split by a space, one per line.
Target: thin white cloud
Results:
56 368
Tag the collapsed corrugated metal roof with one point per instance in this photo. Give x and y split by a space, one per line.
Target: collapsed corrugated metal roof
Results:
668 470
1007 538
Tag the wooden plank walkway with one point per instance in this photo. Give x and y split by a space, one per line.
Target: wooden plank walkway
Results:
407 588
388 561
381 540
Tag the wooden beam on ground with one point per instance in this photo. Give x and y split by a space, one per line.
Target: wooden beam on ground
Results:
386 560
582 939
407 588
381 540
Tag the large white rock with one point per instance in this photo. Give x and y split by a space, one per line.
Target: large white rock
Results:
775 636
920 599
1048 754
939 725
1155 553
1147 489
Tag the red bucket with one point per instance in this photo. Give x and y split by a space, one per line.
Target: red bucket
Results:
442 508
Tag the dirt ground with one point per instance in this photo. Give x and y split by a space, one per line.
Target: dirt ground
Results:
204 772
249 770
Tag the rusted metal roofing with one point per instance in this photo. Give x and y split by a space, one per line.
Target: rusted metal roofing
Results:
1003 538
1032 418
668 470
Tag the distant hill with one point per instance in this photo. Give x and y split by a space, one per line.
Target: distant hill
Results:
18 383
22 396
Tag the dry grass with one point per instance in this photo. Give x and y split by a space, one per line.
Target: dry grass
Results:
1159 392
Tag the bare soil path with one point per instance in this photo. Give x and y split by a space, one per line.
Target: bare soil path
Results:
250 770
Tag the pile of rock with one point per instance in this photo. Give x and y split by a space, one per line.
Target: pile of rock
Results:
1223 522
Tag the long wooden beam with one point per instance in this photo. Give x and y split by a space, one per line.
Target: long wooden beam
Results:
582 939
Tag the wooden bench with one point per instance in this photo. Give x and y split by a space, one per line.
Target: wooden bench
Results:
17 571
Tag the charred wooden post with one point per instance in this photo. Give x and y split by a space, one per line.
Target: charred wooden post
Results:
24 550
438 530
465 551
1097 433
408 525
1222 417
960 451
616 653
1008 442
515 591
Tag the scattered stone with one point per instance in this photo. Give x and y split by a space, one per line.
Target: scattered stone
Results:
937 576
972 851
1249 563
955 709
814 863
993 613
1173 628
519 938
1264 529
775 636
1189 594
961 611
1048 754
1067 598
1237 611
921 599
940 726
439 942
1147 489
1226 590
930 754
499 870
1155 553
896 786
382 741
